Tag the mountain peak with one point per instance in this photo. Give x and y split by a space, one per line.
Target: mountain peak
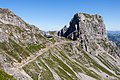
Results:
89 25
4 10
88 17
86 29
8 17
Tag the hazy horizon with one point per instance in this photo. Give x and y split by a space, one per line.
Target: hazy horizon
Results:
53 15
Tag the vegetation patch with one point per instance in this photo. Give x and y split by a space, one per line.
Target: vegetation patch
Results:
5 76
19 29
18 49
108 64
52 40
40 37
34 48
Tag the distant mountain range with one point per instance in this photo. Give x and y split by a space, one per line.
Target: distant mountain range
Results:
114 36
113 32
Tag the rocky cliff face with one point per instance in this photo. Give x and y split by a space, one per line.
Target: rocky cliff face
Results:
82 23
87 54
89 30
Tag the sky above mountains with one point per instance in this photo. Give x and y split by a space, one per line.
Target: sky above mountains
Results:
54 14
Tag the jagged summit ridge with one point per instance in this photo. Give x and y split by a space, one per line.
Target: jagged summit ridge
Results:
85 28
87 24
89 30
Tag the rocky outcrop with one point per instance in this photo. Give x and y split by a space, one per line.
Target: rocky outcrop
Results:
3 36
87 24
62 31
8 17
90 31
26 54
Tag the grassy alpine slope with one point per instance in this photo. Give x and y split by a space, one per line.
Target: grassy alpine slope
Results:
68 61
5 76
26 54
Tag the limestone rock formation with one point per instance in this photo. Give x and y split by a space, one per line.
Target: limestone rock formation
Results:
8 17
62 31
82 23
82 53
88 30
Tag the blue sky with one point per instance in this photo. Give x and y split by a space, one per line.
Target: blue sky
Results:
54 14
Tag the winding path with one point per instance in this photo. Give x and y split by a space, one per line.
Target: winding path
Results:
40 52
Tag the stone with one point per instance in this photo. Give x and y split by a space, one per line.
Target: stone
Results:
8 17
85 24
62 31
89 30
26 53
